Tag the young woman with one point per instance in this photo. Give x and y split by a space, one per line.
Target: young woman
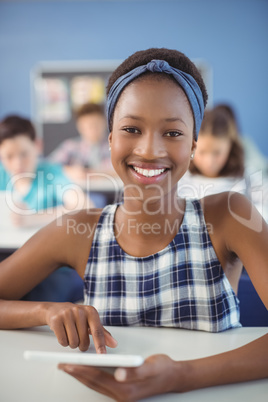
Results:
155 259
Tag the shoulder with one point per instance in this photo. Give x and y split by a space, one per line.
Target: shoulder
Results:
229 205
236 219
78 229
69 142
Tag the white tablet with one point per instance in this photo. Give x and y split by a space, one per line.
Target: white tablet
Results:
84 358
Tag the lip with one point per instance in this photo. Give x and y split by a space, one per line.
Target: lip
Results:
145 165
148 180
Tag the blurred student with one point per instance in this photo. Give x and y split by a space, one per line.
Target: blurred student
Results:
254 158
218 162
256 165
44 190
88 153
40 191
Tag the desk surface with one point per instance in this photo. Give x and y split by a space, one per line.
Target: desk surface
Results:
34 381
12 238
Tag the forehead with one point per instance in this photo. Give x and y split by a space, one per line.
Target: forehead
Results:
92 117
153 90
210 142
16 143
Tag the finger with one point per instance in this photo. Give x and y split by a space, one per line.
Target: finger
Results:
122 374
140 373
59 330
110 341
82 329
71 332
97 331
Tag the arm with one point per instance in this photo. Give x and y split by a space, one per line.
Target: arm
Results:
160 374
249 362
54 246
246 234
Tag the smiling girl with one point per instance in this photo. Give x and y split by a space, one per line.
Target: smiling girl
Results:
155 259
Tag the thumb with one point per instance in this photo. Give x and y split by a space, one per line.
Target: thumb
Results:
142 372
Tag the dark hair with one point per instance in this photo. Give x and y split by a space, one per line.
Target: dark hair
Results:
13 125
231 113
219 123
89 108
173 57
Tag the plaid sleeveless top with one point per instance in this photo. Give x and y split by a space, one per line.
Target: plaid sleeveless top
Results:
181 286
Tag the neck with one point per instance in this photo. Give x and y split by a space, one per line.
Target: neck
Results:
152 214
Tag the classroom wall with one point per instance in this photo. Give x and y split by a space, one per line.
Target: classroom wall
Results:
231 35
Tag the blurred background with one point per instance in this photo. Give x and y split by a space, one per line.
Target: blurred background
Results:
57 55
229 36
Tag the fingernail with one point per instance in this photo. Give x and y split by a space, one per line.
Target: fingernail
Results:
120 374
102 349
112 336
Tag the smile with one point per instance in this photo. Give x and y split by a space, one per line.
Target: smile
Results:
148 172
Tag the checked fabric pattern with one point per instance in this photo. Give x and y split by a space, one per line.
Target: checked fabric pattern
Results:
180 286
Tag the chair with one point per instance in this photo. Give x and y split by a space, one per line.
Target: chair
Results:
61 286
253 313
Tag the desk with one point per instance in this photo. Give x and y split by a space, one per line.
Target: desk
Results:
11 237
31 381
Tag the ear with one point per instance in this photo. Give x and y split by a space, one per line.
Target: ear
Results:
110 138
194 145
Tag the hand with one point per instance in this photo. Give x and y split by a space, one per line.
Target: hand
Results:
157 375
19 220
75 172
72 324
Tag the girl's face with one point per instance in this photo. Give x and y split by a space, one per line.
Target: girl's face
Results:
19 155
211 154
152 135
92 127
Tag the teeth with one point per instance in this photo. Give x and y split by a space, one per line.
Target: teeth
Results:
148 172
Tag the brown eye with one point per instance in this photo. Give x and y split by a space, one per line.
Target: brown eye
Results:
132 130
173 134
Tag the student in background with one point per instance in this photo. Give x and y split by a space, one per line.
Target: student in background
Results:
40 191
218 162
87 157
88 153
254 159
256 165
44 190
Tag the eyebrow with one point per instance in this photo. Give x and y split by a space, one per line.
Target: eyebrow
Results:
168 120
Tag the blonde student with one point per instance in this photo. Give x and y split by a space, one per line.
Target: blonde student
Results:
155 259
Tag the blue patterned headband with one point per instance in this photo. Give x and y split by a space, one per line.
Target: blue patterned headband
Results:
186 81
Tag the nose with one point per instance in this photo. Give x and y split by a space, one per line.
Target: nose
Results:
150 146
17 163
